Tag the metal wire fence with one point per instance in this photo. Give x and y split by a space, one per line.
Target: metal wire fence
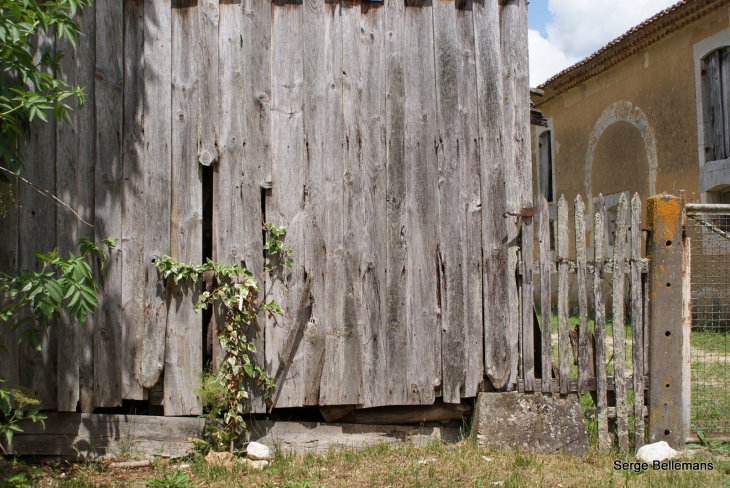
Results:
710 338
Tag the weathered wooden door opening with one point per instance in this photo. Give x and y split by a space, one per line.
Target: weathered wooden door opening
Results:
388 138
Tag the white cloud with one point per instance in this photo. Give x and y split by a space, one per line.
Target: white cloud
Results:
546 59
581 27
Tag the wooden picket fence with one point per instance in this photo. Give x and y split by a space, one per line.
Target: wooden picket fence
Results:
590 347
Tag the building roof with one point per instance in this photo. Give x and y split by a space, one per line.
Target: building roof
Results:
634 41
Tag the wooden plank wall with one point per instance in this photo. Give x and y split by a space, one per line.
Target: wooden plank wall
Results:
587 370
380 134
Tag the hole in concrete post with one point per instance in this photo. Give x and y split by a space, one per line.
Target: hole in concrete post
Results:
669 243
667 333
667 432
669 285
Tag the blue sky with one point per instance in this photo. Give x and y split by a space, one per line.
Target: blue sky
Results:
563 32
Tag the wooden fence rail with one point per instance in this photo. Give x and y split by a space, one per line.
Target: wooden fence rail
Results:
593 350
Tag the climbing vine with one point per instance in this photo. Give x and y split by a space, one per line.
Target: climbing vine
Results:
236 290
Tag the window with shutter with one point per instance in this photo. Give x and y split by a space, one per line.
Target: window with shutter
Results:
716 95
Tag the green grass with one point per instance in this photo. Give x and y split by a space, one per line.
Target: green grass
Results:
457 465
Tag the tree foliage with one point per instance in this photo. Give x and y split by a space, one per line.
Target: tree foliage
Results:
29 86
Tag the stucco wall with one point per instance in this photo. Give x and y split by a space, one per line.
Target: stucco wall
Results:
634 127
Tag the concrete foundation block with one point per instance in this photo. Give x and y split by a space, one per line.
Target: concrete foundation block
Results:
536 422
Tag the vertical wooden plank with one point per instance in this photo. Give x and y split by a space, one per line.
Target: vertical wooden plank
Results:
183 352
637 322
208 11
580 251
150 357
498 350
256 137
317 21
67 226
288 178
471 180
335 286
373 235
545 295
454 345
396 199
86 129
723 67
133 197
618 324
517 160
714 134
423 347
9 265
562 258
37 232
599 240
108 201
528 324
351 317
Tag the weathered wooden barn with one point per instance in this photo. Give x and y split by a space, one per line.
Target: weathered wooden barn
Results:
390 139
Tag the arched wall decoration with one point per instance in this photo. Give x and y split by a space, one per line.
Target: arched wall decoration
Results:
623 111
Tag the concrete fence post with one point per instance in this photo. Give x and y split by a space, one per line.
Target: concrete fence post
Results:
666 339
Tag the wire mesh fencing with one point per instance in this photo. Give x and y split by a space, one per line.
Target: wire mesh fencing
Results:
710 338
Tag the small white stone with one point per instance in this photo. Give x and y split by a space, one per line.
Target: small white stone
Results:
258 452
257 465
486 458
427 461
659 451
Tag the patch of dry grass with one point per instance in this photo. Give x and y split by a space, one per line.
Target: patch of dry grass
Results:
406 465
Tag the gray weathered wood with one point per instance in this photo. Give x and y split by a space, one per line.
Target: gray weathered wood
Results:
619 248
150 356
256 136
423 334
372 235
724 71
714 134
545 293
580 252
68 181
470 176
351 316
134 266
316 17
498 349
516 156
183 345
285 206
209 13
573 387
395 290
37 232
528 326
335 287
637 322
88 436
108 202
562 251
86 129
599 239
454 349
